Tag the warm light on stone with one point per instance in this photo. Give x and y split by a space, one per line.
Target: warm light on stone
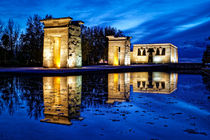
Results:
154 53
62 43
119 52
57 47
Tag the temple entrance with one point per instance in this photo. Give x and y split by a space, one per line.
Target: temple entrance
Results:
57 50
150 56
117 56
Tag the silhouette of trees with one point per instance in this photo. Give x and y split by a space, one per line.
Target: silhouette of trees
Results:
95 43
9 41
32 42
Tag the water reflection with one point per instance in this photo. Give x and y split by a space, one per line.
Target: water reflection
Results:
154 82
118 87
62 99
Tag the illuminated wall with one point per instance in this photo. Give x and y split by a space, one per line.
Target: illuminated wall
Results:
118 87
62 99
154 82
119 50
161 53
62 43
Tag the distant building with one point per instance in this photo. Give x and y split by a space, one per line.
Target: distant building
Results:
119 52
62 43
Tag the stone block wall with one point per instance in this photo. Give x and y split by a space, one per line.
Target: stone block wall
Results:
118 50
68 32
170 55
75 48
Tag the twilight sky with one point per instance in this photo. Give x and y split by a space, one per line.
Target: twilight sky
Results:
185 23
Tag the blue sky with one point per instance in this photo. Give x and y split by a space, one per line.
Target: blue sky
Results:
185 23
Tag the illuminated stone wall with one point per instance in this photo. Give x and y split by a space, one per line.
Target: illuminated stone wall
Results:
118 87
62 99
118 50
62 43
154 82
161 53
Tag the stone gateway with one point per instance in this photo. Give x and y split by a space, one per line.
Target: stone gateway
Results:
62 43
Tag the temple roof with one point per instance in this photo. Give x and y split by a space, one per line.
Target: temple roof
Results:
60 22
57 18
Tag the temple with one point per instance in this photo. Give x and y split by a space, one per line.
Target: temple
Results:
62 43
119 52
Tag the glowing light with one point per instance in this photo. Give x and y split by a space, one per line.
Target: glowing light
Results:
57 81
116 61
116 78
57 48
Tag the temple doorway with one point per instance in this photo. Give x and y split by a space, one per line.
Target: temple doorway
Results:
150 56
57 50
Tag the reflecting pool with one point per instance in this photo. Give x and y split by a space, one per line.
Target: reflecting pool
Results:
131 105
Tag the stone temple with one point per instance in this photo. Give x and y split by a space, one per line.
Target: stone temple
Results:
119 52
62 47
62 43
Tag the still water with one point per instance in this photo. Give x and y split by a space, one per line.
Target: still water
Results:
136 105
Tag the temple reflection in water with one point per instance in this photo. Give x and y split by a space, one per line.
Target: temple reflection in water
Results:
142 82
62 99
154 82
62 95
118 87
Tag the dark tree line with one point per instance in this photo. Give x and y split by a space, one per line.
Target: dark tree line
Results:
21 49
95 43
206 54
26 48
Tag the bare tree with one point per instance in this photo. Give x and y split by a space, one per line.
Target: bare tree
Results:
12 31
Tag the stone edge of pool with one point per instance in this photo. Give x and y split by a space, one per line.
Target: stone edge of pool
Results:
190 67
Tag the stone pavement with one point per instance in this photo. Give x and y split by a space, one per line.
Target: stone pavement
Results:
81 70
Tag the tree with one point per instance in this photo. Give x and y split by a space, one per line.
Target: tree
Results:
1 31
9 42
95 43
32 41
11 33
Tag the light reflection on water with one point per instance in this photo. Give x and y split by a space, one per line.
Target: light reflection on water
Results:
62 95
65 99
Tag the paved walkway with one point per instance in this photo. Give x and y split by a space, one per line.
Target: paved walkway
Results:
84 69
